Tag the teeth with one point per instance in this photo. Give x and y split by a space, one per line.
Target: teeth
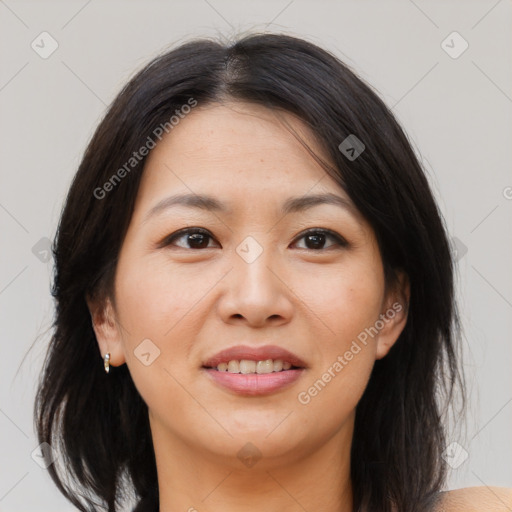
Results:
234 367
247 366
265 366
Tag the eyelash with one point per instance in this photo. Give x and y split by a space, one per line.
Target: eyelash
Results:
340 241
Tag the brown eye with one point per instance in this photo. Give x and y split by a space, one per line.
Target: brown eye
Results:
315 239
193 238
198 238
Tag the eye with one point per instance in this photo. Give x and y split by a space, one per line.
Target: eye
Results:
315 239
197 238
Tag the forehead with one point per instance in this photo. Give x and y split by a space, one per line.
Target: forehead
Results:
238 152
211 136
241 134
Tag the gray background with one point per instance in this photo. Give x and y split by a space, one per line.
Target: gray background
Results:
457 112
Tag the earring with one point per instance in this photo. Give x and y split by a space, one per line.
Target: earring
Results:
106 362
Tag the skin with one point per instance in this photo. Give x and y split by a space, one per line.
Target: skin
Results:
476 499
313 300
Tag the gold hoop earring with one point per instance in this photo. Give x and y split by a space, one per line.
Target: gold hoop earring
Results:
106 362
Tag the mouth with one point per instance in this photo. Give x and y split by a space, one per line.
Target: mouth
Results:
246 359
248 366
254 370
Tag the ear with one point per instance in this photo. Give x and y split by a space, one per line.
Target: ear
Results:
107 329
393 314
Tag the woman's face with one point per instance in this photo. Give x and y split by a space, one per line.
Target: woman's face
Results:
261 273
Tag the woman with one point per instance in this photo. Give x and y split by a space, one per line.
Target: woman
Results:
252 248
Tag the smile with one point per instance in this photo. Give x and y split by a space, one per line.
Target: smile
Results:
247 366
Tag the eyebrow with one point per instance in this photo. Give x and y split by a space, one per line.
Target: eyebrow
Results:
209 203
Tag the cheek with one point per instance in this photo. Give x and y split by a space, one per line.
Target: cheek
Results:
151 302
155 308
345 299
348 303
345 358
154 299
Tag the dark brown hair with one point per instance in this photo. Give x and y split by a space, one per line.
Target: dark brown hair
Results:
100 424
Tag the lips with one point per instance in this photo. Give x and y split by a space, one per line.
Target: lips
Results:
245 352
245 358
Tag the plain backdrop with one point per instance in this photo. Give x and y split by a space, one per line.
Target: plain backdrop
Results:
454 102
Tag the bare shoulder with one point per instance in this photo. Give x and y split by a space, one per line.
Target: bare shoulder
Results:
476 499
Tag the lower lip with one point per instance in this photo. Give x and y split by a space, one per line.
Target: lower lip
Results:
254 383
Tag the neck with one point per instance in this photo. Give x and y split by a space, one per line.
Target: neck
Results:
192 479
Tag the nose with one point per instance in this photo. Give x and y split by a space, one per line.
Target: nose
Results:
256 291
